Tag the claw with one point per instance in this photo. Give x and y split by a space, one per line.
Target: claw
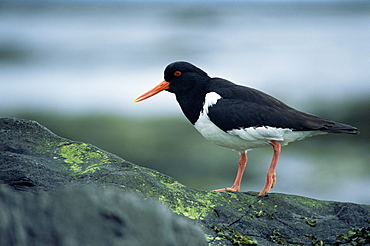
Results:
228 189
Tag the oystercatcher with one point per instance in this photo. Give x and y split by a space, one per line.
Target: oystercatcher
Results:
239 117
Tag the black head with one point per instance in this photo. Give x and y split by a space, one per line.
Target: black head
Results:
189 84
179 78
183 76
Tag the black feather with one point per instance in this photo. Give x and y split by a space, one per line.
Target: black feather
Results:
240 106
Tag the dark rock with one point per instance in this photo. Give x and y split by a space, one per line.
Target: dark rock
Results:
34 159
90 216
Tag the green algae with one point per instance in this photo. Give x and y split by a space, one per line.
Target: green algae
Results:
354 236
235 237
310 222
194 208
308 202
196 204
278 238
81 158
191 209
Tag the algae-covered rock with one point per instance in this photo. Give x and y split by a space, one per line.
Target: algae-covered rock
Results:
34 159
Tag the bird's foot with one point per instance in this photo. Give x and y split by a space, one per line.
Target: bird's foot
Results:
270 183
232 188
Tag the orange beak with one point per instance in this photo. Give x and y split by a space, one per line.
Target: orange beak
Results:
164 85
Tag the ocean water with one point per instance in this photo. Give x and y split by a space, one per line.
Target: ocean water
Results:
82 58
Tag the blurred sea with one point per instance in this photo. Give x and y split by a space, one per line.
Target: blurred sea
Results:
82 58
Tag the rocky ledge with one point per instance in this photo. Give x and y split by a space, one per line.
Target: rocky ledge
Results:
54 191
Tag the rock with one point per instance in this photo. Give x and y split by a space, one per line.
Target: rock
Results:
90 216
33 159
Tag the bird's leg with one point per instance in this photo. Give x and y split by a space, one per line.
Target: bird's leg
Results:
271 175
242 164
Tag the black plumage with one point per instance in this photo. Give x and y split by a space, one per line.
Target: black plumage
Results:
240 106
240 117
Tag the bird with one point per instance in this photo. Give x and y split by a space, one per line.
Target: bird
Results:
240 117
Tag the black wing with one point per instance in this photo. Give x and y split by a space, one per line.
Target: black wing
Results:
242 107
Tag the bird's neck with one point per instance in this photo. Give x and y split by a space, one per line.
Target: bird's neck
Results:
191 104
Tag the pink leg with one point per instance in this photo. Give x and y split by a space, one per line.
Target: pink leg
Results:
271 175
242 164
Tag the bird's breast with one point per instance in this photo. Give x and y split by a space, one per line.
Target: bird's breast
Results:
217 136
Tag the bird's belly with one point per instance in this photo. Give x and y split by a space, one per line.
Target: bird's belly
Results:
248 138
217 136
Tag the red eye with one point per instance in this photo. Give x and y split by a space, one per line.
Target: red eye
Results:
177 73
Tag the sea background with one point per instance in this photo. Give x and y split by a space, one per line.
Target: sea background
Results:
76 66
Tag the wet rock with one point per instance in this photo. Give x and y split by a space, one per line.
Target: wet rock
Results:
35 160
